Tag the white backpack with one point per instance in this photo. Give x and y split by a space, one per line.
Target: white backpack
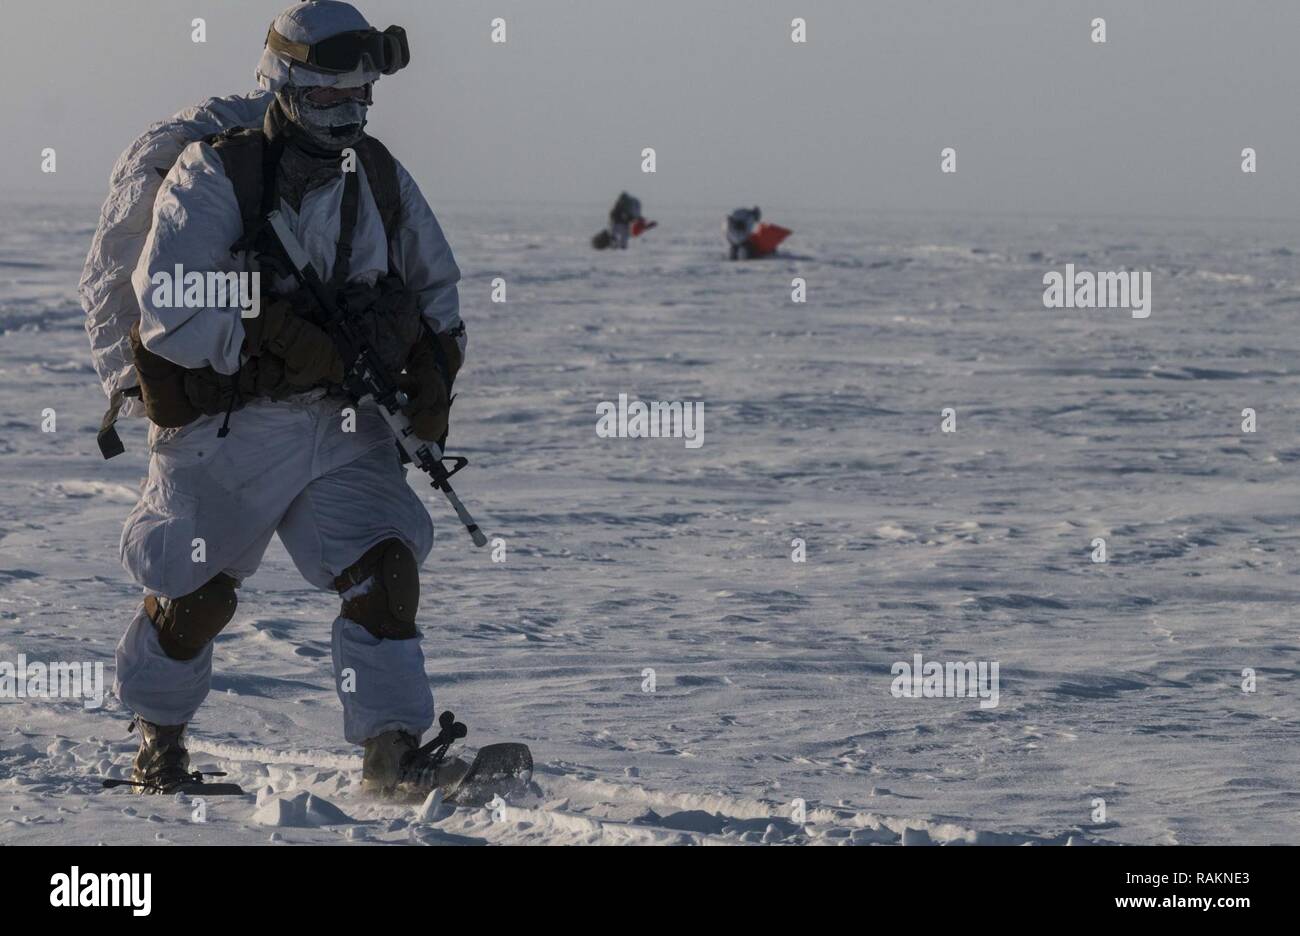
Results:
107 295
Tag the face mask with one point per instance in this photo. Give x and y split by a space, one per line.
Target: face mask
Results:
334 126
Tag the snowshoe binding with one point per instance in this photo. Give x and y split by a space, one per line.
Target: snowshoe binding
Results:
396 764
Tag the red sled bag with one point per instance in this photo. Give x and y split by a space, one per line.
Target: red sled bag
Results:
765 239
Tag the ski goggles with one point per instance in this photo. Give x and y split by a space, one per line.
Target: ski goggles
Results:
345 52
330 95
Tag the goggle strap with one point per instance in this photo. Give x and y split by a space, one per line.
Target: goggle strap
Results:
298 51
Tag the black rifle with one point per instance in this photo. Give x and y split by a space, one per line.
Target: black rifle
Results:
366 376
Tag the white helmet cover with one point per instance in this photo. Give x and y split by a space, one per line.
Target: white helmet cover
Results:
310 23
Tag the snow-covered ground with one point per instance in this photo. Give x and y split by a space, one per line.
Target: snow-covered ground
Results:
1119 681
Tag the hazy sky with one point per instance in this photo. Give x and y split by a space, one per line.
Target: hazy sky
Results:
1043 120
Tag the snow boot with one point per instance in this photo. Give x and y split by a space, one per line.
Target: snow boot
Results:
162 765
394 760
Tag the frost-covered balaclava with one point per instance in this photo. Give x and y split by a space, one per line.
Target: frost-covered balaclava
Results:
332 126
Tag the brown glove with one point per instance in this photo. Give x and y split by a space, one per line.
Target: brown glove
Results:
263 376
309 355
430 373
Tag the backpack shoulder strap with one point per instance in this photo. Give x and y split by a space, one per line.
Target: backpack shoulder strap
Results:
243 153
381 172
249 163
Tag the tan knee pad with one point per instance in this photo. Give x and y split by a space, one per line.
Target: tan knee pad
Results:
387 608
188 624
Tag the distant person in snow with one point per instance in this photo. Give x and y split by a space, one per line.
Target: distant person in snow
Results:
299 458
749 236
625 221
738 227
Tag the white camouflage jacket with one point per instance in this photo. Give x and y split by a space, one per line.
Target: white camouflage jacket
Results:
194 220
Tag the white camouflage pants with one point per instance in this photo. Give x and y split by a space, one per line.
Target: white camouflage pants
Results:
288 468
